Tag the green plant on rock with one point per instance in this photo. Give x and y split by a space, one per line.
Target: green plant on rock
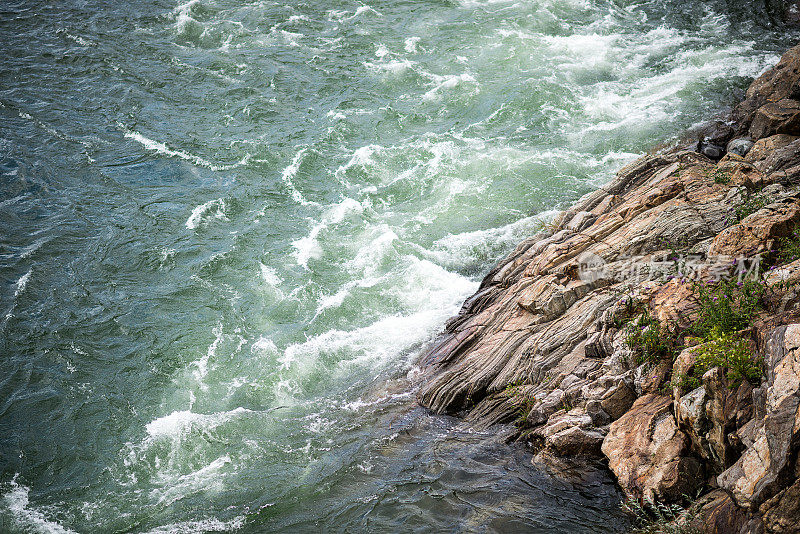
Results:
728 305
721 176
520 398
677 247
733 354
650 340
789 247
683 381
630 308
654 517
751 203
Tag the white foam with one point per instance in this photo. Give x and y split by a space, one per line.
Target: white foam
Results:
78 39
459 248
288 174
264 345
213 209
183 19
364 9
428 292
162 148
202 364
361 157
448 82
411 45
291 38
395 66
31 520
336 115
22 283
368 259
203 525
308 247
207 479
178 423
270 275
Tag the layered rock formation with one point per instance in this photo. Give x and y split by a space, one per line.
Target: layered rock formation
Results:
584 335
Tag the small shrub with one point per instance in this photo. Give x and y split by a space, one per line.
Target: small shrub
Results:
733 354
653 517
685 382
631 307
751 203
522 400
789 247
677 247
728 305
650 340
721 176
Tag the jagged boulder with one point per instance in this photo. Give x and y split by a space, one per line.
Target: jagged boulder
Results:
777 83
781 514
781 117
757 233
765 465
570 434
649 454
763 148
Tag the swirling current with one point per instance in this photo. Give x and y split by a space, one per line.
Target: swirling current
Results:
230 226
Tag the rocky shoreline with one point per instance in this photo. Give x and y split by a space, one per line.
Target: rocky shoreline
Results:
656 324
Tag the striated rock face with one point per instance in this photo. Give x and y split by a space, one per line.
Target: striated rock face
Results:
648 453
718 513
576 336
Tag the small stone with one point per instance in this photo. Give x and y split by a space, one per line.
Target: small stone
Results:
710 150
740 147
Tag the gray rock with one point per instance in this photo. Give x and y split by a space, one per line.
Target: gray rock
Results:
757 474
740 146
595 411
714 152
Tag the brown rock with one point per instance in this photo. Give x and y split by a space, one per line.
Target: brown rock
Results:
775 84
648 454
570 434
720 420
757 233
764 147
781 117
618 400
683 367
675 304
782 164
717 514
781 514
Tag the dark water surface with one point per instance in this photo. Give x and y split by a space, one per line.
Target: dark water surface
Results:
227 228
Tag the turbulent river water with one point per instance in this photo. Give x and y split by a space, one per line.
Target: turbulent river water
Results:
228 227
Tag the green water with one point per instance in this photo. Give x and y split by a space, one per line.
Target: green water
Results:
229 227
